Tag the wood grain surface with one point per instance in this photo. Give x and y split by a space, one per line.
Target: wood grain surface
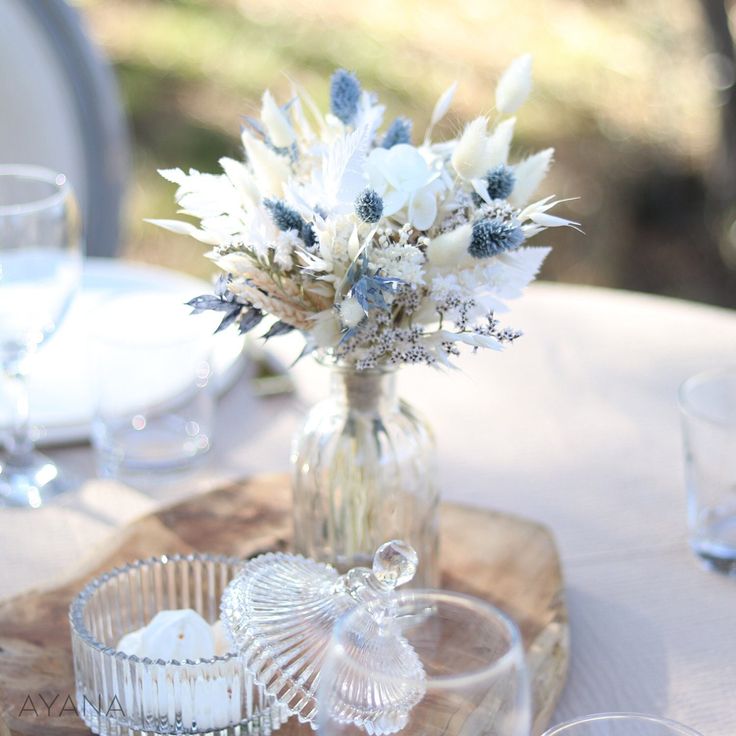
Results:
507 560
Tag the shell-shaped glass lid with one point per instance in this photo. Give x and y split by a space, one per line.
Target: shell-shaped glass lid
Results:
280 612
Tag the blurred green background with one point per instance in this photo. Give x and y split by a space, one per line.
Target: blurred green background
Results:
630 93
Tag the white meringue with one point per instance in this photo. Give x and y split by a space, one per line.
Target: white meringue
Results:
172 635
131 643
222 643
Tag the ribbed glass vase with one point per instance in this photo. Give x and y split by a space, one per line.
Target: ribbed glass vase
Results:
364 473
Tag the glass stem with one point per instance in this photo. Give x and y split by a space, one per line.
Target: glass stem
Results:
19 442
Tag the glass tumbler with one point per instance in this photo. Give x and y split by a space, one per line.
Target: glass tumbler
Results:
155 402
708 408
620 724
447 663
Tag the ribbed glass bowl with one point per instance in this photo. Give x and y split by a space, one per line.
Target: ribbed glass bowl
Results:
120 694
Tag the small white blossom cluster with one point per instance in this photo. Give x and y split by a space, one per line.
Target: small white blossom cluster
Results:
395 255
379 250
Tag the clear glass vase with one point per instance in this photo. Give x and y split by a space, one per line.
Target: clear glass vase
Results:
364 473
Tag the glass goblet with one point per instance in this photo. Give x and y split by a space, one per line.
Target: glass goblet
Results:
41 252
432 662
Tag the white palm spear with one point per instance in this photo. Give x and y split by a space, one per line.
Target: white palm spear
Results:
343 168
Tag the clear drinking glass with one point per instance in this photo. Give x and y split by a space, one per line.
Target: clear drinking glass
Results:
708 409
155 399
469 679
620 724
364 471
41 252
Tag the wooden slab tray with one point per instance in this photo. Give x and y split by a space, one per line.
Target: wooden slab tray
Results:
507 560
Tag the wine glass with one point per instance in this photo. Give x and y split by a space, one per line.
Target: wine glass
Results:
621 724
429 662
41 251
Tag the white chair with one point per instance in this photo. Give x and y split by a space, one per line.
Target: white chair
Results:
59 107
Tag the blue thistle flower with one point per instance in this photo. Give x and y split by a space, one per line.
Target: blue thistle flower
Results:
500 183
284 217
369 206
491 237
344 95
308 235
398 132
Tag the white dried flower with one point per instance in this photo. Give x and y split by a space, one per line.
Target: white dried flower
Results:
514 85
404 179
499 144
529 174
326 330
284 246
270 169
243 181
277 124
186 228
441 107
400 261
444 286
351 313
469 156
448 249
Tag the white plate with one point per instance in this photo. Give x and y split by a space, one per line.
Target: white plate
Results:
62 402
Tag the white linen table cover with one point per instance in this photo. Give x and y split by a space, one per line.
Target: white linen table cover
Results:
576 426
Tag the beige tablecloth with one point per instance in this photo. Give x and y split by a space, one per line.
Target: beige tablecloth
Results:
576 426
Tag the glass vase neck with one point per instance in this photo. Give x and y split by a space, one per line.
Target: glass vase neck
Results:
369 391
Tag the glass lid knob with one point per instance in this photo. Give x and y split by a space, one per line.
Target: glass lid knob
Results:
395 563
